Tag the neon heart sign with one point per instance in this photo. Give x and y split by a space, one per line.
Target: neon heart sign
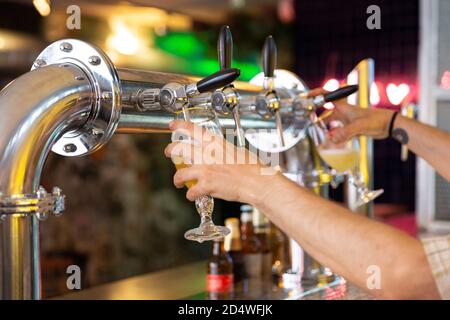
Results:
397 93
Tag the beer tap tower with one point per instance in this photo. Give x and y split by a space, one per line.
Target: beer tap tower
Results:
74 100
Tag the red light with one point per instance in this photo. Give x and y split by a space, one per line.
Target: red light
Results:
374 94
331 85
397 93
445 80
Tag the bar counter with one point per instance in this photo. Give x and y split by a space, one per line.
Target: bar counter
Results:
189 282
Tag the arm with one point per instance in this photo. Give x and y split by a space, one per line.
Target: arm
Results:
337 238
429 143
349 243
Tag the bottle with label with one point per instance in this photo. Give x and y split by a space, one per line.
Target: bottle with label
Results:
233 246
250 245
219 280
261 227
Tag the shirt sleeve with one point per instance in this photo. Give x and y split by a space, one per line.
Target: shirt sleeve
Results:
438 255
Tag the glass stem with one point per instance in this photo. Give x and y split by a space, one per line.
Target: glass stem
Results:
358 182
205 207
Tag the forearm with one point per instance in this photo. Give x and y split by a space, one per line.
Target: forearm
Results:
348 243
429 143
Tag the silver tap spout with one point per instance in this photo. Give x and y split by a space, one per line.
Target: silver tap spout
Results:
36 110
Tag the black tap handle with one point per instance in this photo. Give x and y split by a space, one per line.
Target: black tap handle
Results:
269 56
225 47
340 93
218 80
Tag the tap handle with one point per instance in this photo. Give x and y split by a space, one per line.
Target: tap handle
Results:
340 93
218 80
269 57
225 47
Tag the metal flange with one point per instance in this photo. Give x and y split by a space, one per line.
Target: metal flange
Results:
287 85
41 203
106 110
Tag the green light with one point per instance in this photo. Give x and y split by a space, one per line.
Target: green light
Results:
184 44
192 53
204 67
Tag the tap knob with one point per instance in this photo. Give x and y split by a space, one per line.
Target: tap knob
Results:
214 81
225 47
269 57
148 100
340 93
174 96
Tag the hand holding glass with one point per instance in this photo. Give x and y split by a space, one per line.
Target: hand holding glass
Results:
344 158
205 118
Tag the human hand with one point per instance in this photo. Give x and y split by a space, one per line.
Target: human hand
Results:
356 120
217 167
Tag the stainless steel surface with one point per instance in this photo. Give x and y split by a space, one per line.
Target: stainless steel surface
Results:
287 86
105 113
40 203
36 109
133 120
189 282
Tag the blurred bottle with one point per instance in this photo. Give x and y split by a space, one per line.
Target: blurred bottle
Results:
279 248
261 227
250 245
219 280
233 246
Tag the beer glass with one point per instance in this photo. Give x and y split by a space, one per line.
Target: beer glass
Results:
343 157
206 118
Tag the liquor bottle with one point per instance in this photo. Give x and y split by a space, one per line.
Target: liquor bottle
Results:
219 280
233 246
280 250
250 245
261 227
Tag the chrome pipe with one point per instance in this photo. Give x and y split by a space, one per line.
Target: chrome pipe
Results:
158 122
36 110
133 120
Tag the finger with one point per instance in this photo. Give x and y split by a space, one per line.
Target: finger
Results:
185 175
188 152
342 112
343 134
316 92
198 190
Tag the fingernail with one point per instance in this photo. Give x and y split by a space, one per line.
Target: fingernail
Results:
171 124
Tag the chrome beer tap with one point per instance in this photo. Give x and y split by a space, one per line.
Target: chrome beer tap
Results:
174 96
267 103
303 106
226 100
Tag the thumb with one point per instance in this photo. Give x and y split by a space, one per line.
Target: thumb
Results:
343 134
